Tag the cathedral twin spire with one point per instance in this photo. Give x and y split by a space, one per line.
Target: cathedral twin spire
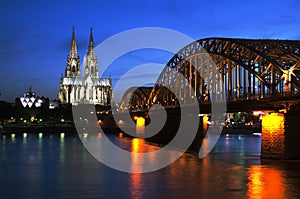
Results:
90 59
91 43
73 48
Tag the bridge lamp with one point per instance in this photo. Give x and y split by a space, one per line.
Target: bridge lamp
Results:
257 113
100 122
120 122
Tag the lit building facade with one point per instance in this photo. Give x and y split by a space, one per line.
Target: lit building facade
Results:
87 88
30 100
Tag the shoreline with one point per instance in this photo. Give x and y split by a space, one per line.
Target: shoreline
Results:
70 128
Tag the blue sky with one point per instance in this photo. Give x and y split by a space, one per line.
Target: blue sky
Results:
35 35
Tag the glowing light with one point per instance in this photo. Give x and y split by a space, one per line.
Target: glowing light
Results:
140 125
258 134
62 135
24 103
257 113
13 135
120 135
282 110
40 135
85 135
120 122
273 122
273 130
32 118
140 121
24 135
205 122
30 104
100 122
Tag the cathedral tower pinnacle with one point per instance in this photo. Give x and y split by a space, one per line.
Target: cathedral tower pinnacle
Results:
91 43
73 48
91 60
73 61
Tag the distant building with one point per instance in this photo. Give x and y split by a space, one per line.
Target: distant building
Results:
89 89
31 100
53 104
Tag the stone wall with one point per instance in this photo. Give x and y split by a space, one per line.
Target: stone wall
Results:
273 136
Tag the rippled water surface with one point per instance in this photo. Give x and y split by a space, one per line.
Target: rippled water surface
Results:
55 167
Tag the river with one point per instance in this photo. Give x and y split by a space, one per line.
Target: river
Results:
51 166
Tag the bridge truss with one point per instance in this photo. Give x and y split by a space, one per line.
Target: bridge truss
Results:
231 69
243 69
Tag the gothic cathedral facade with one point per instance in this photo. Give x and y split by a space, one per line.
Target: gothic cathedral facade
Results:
87 89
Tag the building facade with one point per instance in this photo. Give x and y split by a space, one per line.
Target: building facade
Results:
31 100
87 88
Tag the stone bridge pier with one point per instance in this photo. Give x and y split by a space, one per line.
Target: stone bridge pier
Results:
280 136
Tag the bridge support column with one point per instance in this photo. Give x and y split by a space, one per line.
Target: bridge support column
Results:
201 133
280 136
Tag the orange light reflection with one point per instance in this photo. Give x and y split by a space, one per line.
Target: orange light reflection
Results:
137 147
265 182
136 186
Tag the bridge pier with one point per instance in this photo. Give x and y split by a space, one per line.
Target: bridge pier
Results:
280 136
201 133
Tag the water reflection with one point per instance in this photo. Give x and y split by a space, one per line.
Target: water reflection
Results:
136 185
265 182
61 166
137 147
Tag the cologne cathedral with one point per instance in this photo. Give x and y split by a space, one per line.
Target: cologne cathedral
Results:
87 88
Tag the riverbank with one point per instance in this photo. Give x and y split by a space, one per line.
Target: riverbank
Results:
34 129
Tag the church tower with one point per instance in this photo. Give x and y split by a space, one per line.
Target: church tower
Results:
89 89
90 63
73 61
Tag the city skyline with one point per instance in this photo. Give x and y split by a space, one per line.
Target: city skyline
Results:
35 36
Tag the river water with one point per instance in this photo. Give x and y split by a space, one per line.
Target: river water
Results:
56 167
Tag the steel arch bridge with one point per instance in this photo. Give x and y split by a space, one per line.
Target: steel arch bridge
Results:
134 98
231 69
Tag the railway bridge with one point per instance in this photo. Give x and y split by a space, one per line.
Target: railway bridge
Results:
241 74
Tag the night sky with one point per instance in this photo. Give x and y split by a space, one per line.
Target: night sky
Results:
35 35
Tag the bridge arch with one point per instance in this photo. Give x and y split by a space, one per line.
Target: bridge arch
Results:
248 69
135 98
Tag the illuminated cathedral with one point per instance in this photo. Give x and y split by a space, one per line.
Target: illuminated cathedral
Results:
87 88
